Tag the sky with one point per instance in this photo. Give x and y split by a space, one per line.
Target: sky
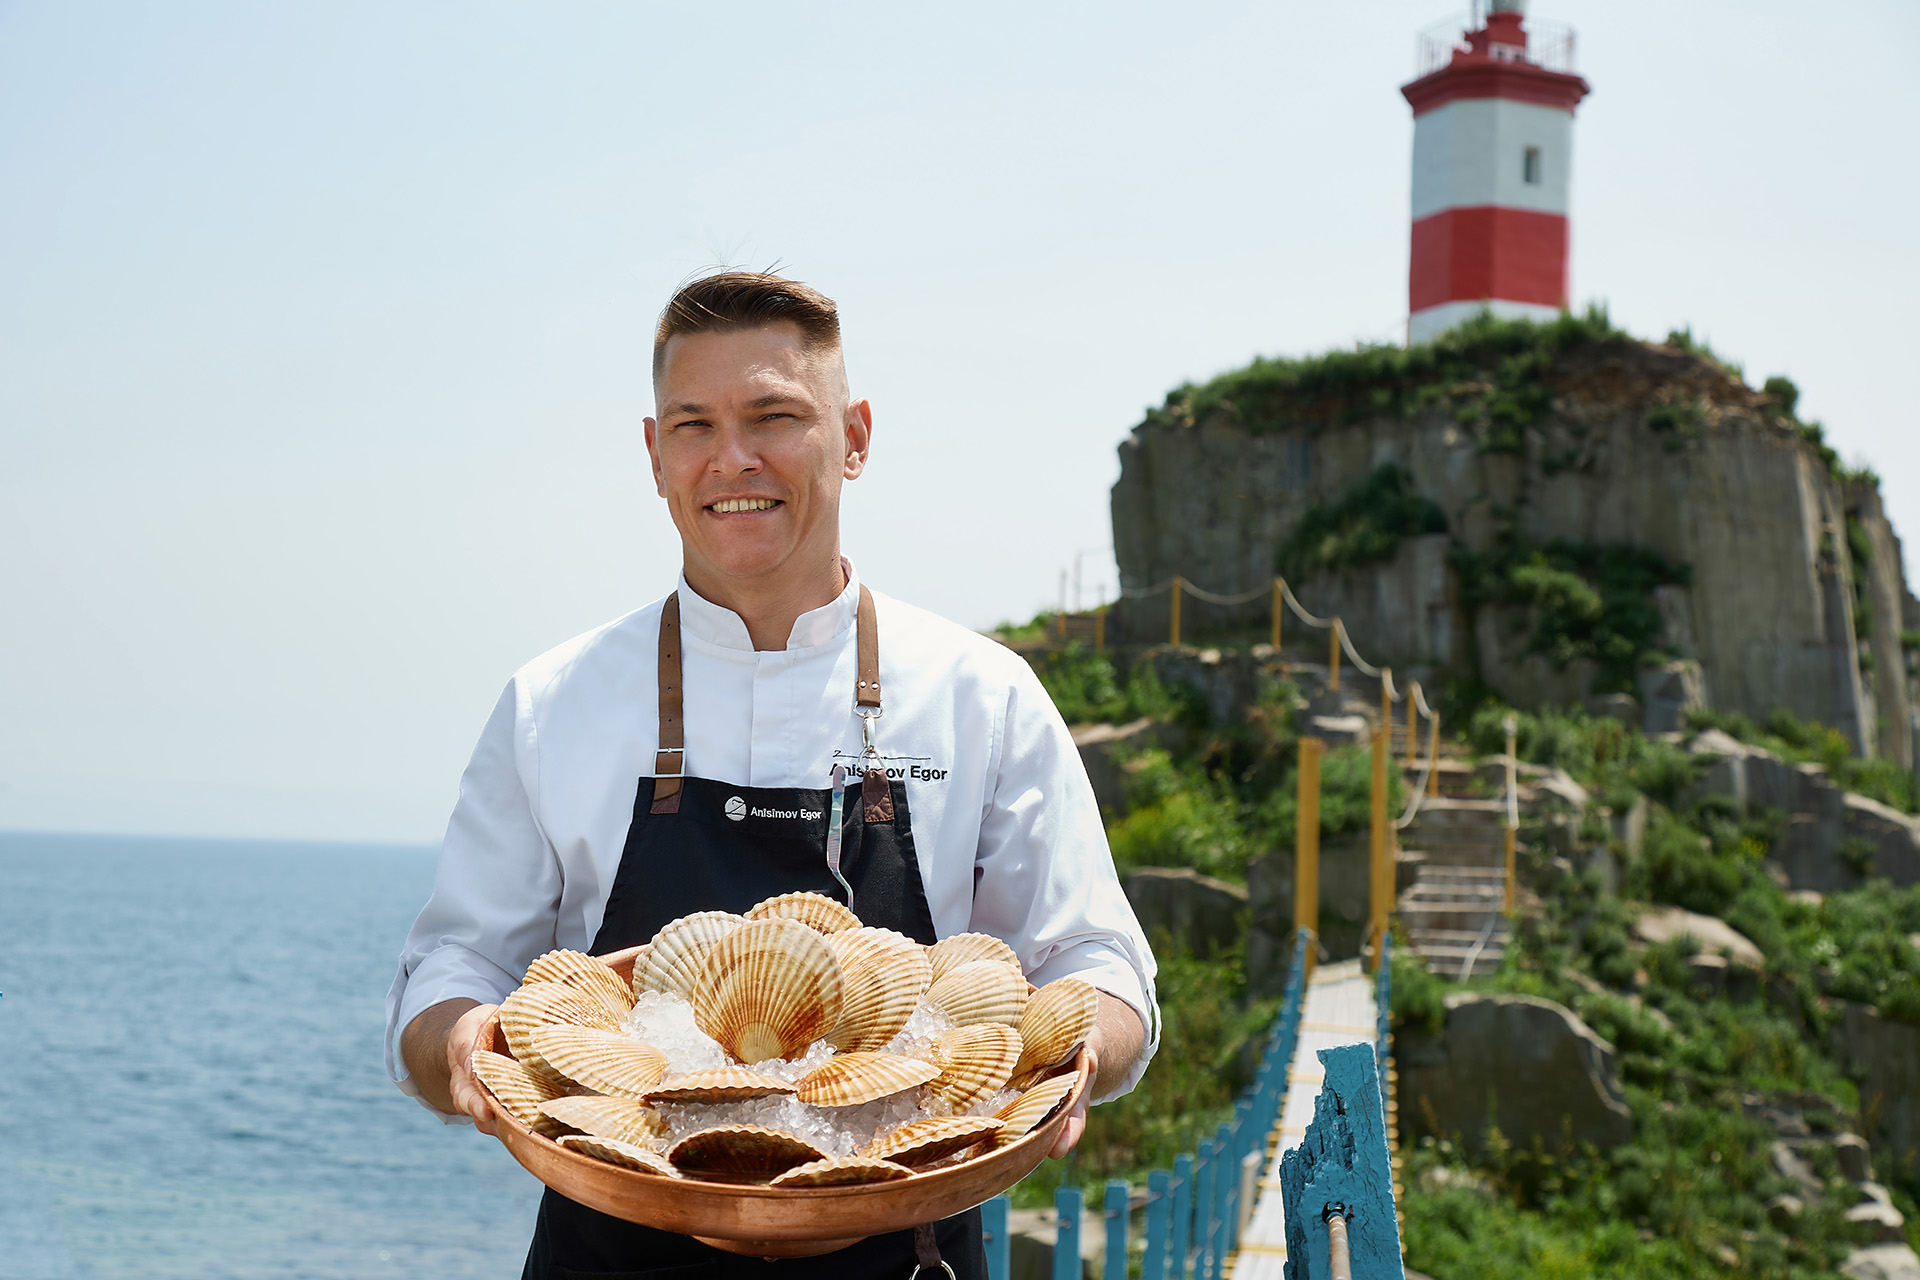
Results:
324 328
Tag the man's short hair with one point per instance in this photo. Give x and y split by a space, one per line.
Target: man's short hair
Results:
735 300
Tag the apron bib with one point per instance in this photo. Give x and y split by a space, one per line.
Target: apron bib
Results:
700 845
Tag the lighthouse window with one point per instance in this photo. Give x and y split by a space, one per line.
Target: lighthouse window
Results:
1530 166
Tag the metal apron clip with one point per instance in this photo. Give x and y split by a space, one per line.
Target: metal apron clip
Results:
833 830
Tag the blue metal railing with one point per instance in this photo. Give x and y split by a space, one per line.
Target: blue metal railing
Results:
1193 1211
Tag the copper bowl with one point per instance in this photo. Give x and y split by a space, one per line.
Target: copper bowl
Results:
775 1222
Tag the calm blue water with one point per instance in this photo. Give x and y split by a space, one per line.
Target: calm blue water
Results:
190 1079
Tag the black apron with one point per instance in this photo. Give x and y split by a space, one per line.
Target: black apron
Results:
700 845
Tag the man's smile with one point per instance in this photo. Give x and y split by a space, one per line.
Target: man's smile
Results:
742 506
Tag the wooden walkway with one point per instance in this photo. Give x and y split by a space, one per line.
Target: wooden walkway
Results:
1339 1010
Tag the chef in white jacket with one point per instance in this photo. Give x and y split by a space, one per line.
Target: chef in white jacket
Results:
688 755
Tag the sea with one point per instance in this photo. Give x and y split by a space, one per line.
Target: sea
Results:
190 1071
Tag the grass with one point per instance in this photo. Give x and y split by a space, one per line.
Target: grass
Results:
1486 373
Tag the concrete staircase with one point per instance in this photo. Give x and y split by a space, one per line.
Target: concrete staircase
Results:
1452 910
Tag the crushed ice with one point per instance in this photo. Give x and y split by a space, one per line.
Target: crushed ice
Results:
664 1020
916 1038
838 1131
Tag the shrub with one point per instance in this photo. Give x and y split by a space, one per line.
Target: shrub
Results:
1178 817
1583 600
1364 526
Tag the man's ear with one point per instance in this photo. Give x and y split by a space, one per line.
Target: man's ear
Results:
859 437
650 430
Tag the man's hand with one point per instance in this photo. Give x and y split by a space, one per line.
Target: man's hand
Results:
438 1049
1116 1026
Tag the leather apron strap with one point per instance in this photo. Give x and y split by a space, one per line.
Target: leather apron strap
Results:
669 762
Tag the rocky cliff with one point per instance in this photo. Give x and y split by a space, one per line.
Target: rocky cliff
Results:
1558 510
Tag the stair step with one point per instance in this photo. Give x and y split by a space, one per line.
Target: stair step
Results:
1423 937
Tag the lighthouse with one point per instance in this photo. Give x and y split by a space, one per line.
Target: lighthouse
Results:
1492 165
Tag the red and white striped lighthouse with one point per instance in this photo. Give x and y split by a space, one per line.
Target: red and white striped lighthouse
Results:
1492 159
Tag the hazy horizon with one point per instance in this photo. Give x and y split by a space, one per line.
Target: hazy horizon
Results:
323 332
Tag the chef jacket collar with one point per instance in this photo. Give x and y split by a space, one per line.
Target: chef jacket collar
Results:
726 629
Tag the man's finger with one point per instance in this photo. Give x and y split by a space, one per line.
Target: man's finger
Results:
1069 1135
473 1100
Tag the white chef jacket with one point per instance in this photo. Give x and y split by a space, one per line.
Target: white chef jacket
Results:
1005 827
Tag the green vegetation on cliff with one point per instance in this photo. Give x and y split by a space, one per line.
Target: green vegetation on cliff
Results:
1486 371
1582 600
1701 1064
1364 526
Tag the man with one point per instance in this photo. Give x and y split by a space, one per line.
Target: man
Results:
680 759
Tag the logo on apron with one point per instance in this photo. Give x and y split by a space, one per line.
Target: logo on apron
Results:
736 808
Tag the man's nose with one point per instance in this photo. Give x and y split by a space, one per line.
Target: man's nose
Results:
734 453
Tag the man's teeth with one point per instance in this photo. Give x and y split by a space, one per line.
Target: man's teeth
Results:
732 505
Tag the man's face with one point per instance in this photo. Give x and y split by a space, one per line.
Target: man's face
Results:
753 440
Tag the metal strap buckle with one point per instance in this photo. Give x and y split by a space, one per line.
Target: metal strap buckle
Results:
944 1266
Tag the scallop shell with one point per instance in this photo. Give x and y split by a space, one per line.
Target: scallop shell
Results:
627 1155
539 1004
741 1153
609 1062
815 910
849 1079
1057 1019
518 1090
621 1119
722 1084
768 990
980 991
965 948
974 1062
883 975
1025 1112
843 1171
925 1141
581 971
672 961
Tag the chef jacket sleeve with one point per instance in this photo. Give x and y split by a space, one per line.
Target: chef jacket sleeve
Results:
1044 877
496 893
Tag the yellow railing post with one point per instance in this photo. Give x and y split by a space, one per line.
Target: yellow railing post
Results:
1100 629
1386 705
1173 622
1333 662
1433 757
1513 811
1507 898
1382 872
1306 846
1279 606
1413 727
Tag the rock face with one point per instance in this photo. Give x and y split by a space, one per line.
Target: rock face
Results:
1344 896
1885 1057
1768 617
1832 838
1528 1066
1715 936
1882 1262
1101 746
1178 906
